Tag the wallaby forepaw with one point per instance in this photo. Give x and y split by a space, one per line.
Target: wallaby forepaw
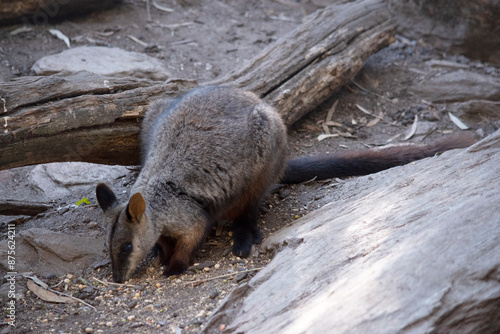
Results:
175 269
242 250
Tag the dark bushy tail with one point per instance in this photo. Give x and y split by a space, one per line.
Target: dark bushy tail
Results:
366 162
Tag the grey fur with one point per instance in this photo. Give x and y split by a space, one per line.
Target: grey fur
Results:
207 156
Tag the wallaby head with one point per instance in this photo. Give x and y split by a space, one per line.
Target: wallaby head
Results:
127 229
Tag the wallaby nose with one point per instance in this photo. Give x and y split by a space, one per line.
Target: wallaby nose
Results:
117 278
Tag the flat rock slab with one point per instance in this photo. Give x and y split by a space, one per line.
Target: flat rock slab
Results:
105 61
48 252
58 180
414 249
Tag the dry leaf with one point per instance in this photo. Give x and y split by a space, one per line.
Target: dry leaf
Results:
375 120
413 129
335 124
366 111
20 30
162 8
457 121
323 136
331 111
61 36
47 295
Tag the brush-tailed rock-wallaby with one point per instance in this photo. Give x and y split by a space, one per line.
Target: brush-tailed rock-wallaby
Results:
212 155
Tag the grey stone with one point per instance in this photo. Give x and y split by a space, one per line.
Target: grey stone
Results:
47 252
104 61
414 249
60 180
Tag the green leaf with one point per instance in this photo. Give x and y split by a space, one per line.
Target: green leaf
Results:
83 200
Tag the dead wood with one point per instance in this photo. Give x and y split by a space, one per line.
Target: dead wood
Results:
15 208
42 11
90 118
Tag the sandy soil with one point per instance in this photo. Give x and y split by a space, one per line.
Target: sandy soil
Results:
205 40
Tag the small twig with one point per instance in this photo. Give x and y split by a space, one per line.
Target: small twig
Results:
55 286
84 281
222 276
175 25
137 40
112 283
70 296
184 41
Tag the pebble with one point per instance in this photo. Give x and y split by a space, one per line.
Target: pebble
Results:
131 317
88 289
88 330
240 276
132 304
204 265
284 193
136 325
213 294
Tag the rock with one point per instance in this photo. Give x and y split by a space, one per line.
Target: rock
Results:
60 180
204 265
214 293
459 86
477 110
467 27
47 252
413 249
104 61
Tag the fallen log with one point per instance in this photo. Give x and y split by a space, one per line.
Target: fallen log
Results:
11 207
374 260
91 118
42 11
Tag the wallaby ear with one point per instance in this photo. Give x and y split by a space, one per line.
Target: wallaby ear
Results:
136 206
106 197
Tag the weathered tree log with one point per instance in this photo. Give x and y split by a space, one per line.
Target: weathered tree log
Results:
42 11
15 207
412 250
90 118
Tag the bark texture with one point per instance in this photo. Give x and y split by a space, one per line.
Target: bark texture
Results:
42 11
413 249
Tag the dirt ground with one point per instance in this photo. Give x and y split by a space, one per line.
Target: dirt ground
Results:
203 40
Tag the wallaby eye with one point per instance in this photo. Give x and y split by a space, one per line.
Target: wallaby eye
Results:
126 248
